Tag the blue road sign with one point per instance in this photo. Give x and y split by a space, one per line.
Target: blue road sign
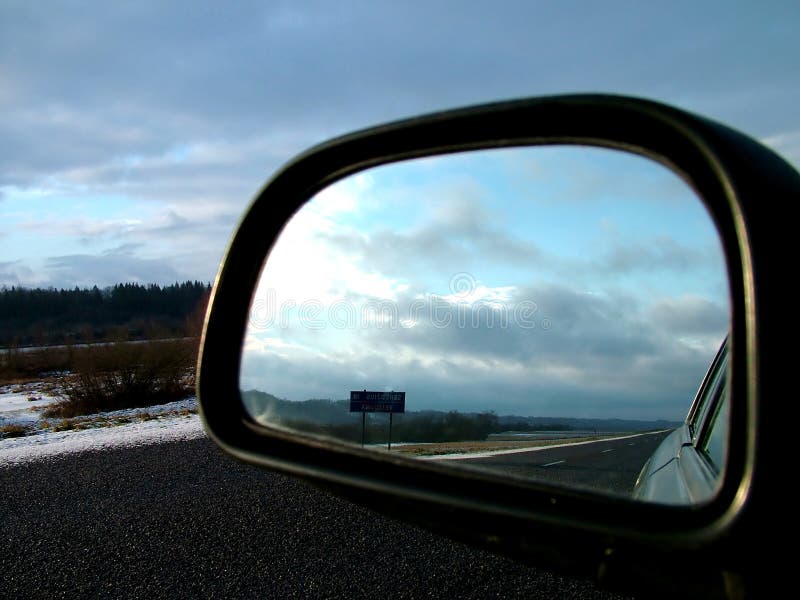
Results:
390 402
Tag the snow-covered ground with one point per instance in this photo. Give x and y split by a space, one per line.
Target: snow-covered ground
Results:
21 407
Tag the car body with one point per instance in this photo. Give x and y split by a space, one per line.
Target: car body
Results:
687 466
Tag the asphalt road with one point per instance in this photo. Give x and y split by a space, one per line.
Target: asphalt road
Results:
607 466
182 519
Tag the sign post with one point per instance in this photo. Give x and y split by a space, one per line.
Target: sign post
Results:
387 402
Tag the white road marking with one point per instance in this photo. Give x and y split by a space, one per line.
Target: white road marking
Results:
558 462
604 451
489 454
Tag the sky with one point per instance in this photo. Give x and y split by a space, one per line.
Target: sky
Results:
134 136
520 281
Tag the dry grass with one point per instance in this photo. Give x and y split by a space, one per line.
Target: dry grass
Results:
109 377
79 423
14 430
20 366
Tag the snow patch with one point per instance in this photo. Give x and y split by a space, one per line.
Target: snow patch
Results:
23 404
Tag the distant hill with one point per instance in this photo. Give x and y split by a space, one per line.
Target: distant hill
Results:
266 407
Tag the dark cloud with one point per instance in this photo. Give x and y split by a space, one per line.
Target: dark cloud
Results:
689 315
459 234
139 80
454 247
567 353
447 385
599 337
662 253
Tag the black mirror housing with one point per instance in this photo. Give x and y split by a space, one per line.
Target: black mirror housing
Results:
622 543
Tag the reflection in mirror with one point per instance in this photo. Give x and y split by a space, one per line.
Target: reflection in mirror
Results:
548 312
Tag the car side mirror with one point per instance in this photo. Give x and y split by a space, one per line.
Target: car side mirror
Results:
717 176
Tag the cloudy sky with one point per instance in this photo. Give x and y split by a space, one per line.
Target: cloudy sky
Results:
525 281
133 136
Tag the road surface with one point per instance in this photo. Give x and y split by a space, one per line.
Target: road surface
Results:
609 466
181 519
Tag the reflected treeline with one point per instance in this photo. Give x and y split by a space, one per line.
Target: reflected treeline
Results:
333 418
409 427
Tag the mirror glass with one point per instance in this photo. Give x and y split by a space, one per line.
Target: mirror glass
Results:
545 312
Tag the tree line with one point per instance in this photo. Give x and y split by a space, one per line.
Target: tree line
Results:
333 418
43 317
429 426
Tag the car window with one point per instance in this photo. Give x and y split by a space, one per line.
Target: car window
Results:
705 384
715 445
710 391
